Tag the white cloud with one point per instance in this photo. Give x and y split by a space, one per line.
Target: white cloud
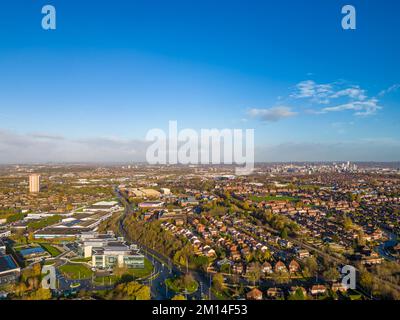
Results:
272 114
353 93
361 108
391 89
318 93
343 98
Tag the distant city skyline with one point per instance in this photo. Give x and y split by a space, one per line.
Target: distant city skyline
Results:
91 89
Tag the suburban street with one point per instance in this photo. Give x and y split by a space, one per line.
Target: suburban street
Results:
164 267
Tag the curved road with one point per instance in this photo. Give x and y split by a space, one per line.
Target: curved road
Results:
164 267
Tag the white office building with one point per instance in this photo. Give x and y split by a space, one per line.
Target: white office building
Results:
108 251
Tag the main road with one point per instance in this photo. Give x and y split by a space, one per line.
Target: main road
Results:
164 267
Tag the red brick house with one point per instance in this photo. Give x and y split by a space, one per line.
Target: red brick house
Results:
294 266
280 267
254 294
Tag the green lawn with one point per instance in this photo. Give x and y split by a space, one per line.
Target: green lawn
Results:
76 271
58 241
273 198
176 286
40 224
106 280
141 273
50 249
136 273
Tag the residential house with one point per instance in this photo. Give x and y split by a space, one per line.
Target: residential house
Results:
318 289
294 266
254 294
266 268
302 253
338 286
237 268
280 267
274 293
293 290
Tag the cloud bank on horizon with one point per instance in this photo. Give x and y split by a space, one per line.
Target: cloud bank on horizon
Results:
41 148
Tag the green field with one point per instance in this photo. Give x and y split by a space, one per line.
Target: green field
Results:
82 259
135 273
36 225
76 271
176 286
51 249
106 280
273 198
141 273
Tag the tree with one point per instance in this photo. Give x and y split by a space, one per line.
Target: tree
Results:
281 277
178 297
246 206
311 265
218 282
284 233
40 294
249 257
225 268
20 289
366 280
130 291
255 272
347 223
201 262
266 255
297 295
332 274
360 238
143 293
33 283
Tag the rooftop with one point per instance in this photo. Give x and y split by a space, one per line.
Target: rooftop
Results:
7 263
29 251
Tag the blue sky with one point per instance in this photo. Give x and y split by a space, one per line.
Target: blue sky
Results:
115 69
